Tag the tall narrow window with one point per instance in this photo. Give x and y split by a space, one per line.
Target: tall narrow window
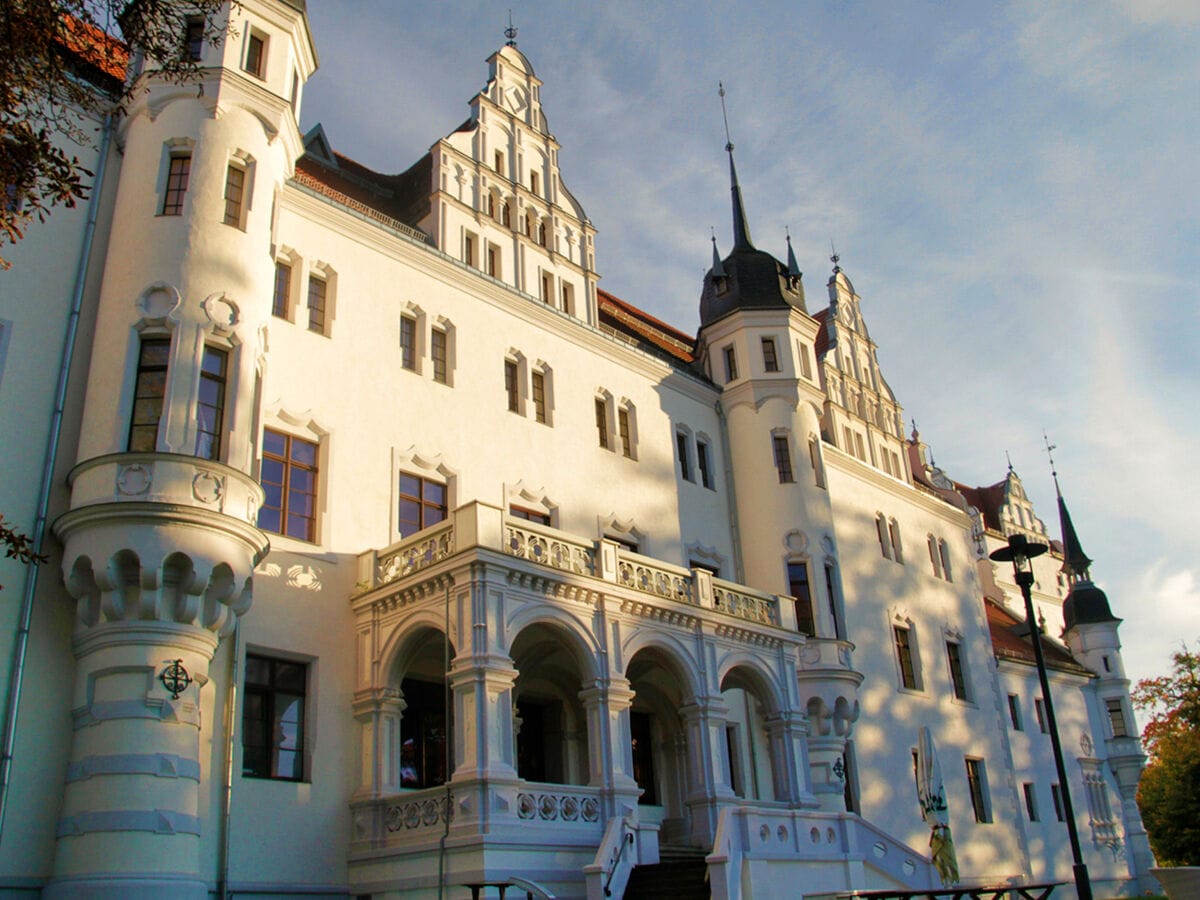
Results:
1014 712
438 354
256 54
850 779
539 397
548 288
681 451
704 463
316 304
493 260
897 547
289 481
283 290
193 38
179 169
934 557
534 184
805 365
408 343
904 656
881 531
1039 709
731 370
235 187
770 357
839 630
798 587
150 388
511 388
814 457
469 249
625 433
602 422
977 782
1031 808
1116 717
1059 810
499 162
211 406
422 503
944 553
273 718
783 458
858 447
958 680
568 299
541 233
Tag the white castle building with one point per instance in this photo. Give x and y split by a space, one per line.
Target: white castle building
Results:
387 550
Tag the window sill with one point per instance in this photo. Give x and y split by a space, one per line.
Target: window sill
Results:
276 778
916 692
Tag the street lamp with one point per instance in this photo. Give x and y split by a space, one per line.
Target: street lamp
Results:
1020 552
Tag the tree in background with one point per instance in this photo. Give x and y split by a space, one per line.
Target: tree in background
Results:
1169 793
62 69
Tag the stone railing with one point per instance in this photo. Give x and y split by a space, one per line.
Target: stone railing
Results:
544 545
415 553
554 803
392 818
736 600
653 577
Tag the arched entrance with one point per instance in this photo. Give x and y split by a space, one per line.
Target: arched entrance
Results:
427 717
748 745
549 720
661 764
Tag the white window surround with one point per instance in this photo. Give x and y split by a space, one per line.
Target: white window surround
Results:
541 367
431 466
901 619
622 528
416 314
322 271
446 326
603 397
534 499
291 258
241 159
518 358
626 406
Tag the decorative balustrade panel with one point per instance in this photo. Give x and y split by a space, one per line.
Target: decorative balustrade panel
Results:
416 814
549 550
655 580
745 605
414 555
558 806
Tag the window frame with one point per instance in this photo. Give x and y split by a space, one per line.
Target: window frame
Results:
421 503
805 608
235 206
283 278
192 49
683 455
271 689
977 787
770 353
220 381
1115 712
1039 710
1015 718
731 369
538 396
408 342
257 68
704 463
289 463
147 369
176 188
782 452
439 354
318 313
1029 789
959 683
906 657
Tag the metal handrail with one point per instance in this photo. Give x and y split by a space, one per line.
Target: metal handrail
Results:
612 870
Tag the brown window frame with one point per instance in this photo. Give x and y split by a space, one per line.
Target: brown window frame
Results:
783 458
291 464
235 194
179 170
211 397
265 696
429 509
147 389
282 300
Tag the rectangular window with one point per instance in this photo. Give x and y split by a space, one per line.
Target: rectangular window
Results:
798 587
770 357
631 546
511 388
1039 710
149 391
944 552
210 407
783 458
1060 811
1031 809
548 288
704 463
850 779
408 343
625 434
493 260
534 183
904 655
539 397
858 445
731 372
438 354
530 515
469 249
235 186
685 459
1014 712
881 532
839 630
568 299
193 38
294 96
177 183
894 534
977 782
958 680
422 503
283 290
256 54
934 559
289 481
316 304
805 365
602 422
814 457
499 161
714 571
273 718
1116 717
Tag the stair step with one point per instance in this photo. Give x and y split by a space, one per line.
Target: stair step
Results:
684 879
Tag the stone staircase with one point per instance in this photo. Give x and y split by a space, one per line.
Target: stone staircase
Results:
680 874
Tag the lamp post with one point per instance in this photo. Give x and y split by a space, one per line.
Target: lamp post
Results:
1020 552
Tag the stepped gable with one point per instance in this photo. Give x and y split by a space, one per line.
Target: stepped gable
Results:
626 319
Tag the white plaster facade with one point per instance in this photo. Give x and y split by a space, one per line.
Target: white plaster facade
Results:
627 669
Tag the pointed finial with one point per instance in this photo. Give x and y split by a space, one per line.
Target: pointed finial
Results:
1050 448
510 32
916 434
1009 458
835 259
718 270
741 230
793 269
1076 563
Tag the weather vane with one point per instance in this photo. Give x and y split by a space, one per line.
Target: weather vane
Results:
1009 458
510 32
835 259
725 116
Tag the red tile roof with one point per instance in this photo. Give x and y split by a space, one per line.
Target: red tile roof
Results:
94 47
1007 643
987 500
640 325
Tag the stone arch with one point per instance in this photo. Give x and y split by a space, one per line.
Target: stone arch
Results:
674 652
405 641
753 757
581 641
751 674
121 584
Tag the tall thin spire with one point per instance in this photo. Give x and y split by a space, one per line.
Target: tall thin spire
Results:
510 32
718 270
793 267
741 231
1075 562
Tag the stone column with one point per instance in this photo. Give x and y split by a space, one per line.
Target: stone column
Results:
708 768
610 743
788 734
378 713
484 742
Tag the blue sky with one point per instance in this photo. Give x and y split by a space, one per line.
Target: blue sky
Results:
1014 189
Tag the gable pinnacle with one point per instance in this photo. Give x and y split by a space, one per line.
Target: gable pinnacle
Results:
718 270
741 231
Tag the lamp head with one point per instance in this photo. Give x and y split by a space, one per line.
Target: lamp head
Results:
1020 552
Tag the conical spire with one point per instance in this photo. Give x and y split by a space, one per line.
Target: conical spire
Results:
793 268
741 230
1075 561
718 270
